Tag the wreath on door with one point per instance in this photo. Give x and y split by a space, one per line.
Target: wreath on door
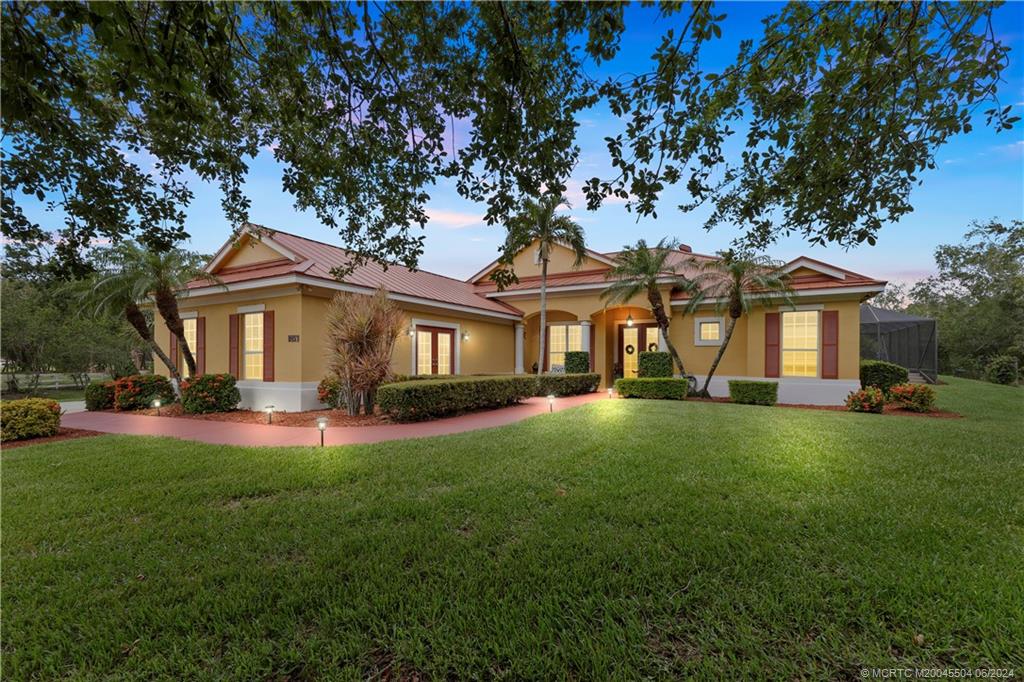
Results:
652 346
629 349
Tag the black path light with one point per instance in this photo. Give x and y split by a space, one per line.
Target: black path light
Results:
321 423
269 409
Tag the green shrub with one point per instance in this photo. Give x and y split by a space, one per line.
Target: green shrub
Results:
869 399
656 388
209 393
419 400
882 374
654 364
401 378
138 391
1003 369
567 384
99 395
914 397
29 418
754 392
330 392
577 362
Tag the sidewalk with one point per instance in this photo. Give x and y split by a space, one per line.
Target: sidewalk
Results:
230 433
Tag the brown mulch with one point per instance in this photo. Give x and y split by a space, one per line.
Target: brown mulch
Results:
308 418
63 434
887 410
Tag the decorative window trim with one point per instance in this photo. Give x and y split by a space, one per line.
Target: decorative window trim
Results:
417 322
783 348
257 308
698 321
243 361
189 315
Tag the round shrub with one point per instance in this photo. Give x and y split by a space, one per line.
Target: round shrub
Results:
913 397
653 364
870 399
137 392
882 374
99 395
330 392
29 418
209 393
1003 369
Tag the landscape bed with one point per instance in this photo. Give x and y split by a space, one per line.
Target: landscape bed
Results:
622 539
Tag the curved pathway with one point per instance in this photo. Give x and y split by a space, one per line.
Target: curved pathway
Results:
231 433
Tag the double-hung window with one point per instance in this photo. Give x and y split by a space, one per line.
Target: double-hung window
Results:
800 343
563 338
252 346
190 339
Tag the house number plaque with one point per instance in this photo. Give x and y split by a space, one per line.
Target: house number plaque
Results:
293 338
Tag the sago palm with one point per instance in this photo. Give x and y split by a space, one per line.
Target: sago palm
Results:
644 270
135 273
540 222
734 283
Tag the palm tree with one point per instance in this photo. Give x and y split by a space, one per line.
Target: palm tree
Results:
736 282
131 273
540 222
643 269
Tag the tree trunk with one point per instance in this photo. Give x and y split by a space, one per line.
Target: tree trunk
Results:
543 313
167 304
718 357
654 298
138 322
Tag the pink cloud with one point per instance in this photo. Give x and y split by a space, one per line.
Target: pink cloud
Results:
452 220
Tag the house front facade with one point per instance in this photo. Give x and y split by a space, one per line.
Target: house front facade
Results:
264 322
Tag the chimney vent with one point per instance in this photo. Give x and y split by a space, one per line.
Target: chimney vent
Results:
686 248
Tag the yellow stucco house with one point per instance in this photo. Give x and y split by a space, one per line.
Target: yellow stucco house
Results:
265 323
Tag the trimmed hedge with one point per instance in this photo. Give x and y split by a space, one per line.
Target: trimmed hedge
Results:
753 392
882 374
869 399
29 418
419 400
402 378
99 395
656 388
577 362
1003 369
654 364
209 393
138 391
913 397
567 384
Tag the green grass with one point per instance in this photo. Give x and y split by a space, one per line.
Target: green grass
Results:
51 393
623 539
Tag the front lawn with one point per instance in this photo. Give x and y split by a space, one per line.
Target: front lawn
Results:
621 539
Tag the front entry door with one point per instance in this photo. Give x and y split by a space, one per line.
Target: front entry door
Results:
435 350
632 340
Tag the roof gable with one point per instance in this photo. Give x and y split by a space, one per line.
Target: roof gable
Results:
562 260
250 249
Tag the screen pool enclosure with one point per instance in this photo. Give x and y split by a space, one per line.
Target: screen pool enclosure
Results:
906 340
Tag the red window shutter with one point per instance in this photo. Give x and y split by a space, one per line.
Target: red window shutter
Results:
173 352
830 344
268 345
771 344
233 321
200 346
547 349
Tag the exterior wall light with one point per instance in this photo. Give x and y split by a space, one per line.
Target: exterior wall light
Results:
321 423
412 330
465 335
156 404
629 320
551 403
269 409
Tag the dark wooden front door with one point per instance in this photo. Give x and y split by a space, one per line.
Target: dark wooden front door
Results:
435 350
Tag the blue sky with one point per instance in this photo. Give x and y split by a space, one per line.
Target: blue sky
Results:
979 176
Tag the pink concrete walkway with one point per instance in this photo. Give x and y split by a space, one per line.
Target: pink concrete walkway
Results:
230 433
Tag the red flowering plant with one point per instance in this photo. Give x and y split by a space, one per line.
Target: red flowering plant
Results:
870 399
138 391
913 397
209 393
329 392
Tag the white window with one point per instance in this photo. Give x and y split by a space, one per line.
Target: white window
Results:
562 338
190 339
800 343
252 348
708 331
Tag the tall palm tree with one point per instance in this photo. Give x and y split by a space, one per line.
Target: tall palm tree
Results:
735 283
540 222
130 273
643 269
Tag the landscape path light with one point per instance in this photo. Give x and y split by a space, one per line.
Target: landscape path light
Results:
610 391
321 423
269 409
156 404
551 403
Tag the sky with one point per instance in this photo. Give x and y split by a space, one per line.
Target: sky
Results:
978 176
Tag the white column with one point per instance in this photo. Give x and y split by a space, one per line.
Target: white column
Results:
520 332
662 346
585 337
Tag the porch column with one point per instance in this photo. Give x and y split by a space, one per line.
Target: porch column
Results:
585 338
520 330
662 346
